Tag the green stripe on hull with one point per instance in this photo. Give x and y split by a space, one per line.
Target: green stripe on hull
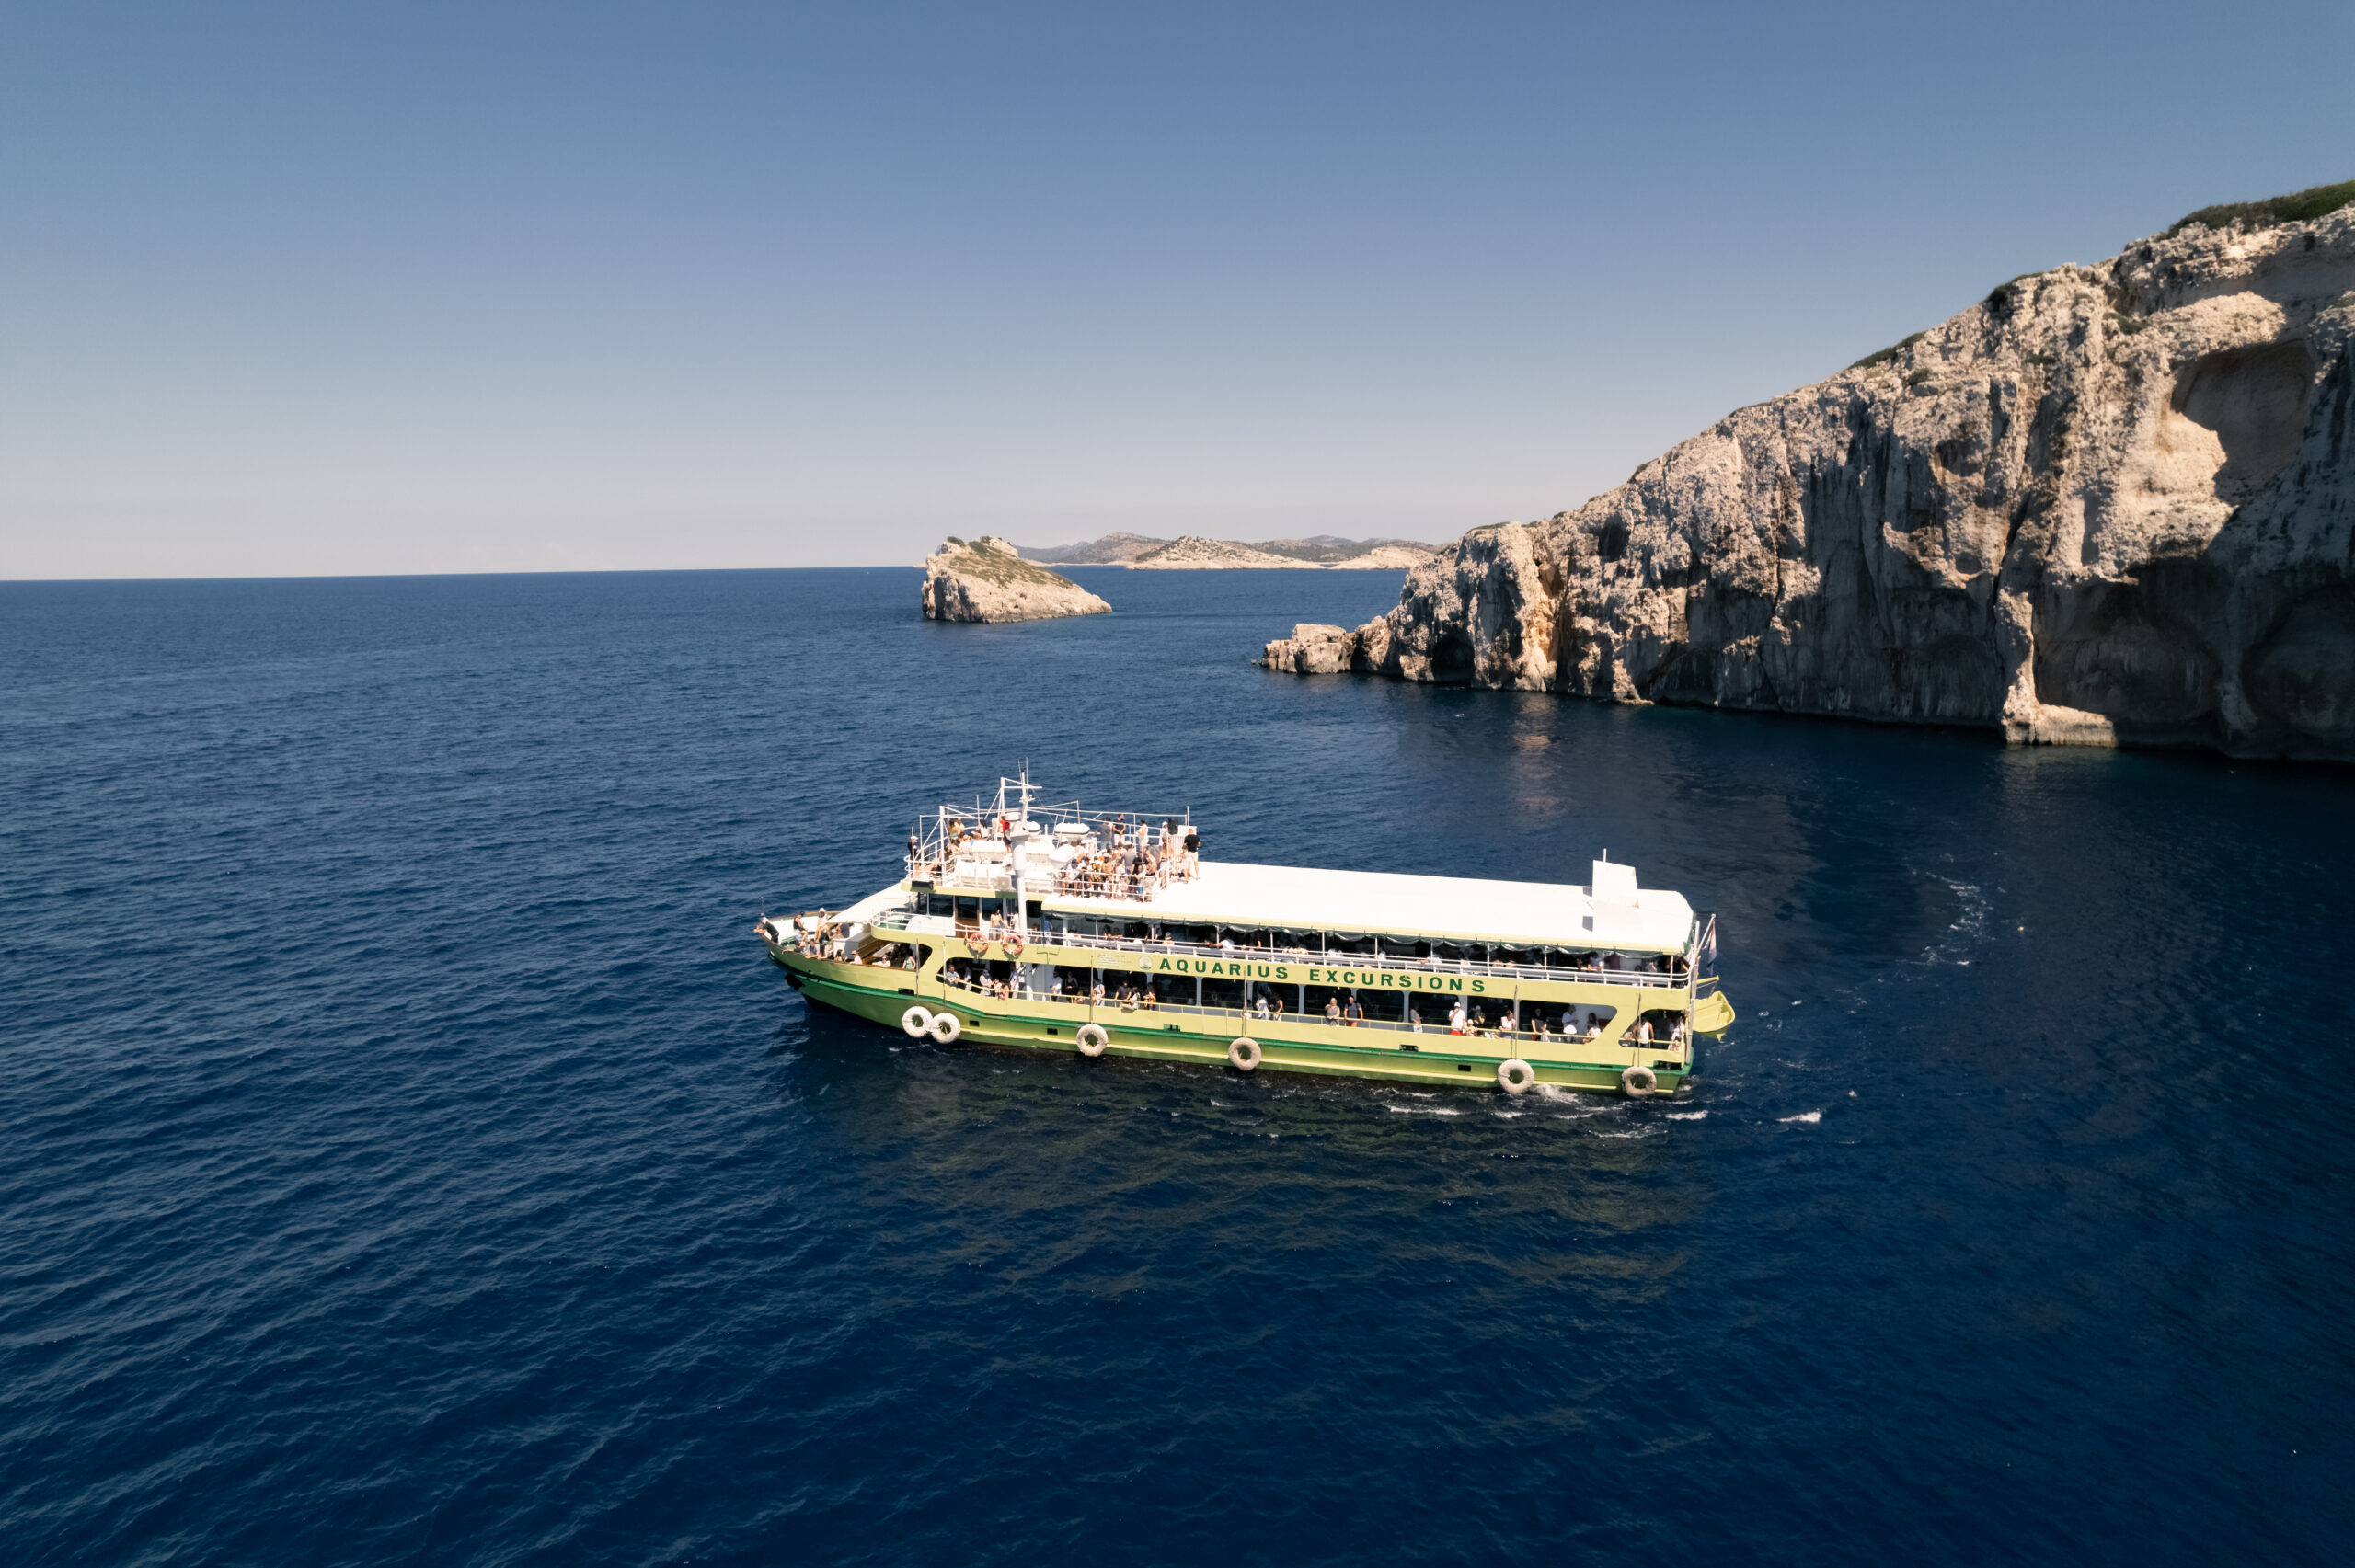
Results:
832 984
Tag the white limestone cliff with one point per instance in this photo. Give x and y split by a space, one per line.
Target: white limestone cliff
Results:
2109 503
985 581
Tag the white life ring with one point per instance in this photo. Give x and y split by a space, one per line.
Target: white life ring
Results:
916 1023
1514 1076
945 1027
976 943
1093 1039
1013 945
1637 1081
1244 1054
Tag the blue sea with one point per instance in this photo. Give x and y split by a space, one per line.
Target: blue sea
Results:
407 1155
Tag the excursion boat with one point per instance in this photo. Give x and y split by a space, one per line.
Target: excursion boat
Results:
1055 928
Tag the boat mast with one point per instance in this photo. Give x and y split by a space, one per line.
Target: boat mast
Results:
1017 831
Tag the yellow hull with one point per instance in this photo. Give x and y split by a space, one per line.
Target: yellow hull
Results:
1292 1043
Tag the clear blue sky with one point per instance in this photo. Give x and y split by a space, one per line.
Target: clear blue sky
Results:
320 288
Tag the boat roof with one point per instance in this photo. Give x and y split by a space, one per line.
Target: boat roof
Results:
1444 909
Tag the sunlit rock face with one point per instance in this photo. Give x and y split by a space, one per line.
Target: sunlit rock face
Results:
2109 503
1311 649
985 581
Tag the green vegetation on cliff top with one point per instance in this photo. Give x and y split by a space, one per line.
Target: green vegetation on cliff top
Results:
993 561
2295 208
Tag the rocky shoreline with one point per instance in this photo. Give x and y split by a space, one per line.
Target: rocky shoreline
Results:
2108 504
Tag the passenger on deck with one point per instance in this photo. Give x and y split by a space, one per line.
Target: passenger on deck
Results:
1354 1012
1414 1019
1259 1007
1333 1008
1456 1018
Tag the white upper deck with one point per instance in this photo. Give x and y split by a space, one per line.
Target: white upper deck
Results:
1455 909
1129 866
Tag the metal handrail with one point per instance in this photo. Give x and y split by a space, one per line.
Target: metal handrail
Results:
1148 946
1055 881
1246 1017
1383 961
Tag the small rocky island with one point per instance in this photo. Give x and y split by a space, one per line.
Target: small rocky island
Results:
986 580
2106 504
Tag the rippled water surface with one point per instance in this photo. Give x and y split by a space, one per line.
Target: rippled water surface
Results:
407 1155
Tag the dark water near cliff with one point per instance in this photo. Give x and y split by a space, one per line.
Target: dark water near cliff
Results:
407 1156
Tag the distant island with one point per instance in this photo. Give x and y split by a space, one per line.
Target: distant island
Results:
1193 552
2106 504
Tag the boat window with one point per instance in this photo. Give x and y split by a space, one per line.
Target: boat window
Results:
969 910
1453 952
1405 947
1222 993
1353 946
1513 956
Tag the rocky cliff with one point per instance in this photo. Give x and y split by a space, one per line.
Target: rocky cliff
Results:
2108 503
985 581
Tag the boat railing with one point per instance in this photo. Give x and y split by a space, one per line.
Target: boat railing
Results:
1395 962
1244 1018
897 921
1049 881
